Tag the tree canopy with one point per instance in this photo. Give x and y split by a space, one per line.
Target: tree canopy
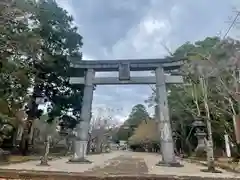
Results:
213 62
35 40
60 39
146 132
136 117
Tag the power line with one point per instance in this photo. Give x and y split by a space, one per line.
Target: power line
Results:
225 35
231 25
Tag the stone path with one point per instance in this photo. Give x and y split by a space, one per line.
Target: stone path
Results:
188 169
122 165
61 165
115 164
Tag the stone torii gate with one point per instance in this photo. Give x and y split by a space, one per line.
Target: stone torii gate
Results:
160 66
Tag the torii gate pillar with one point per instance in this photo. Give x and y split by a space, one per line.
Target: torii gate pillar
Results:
164 124
81 141
124 67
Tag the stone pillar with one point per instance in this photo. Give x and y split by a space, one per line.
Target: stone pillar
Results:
81 141
164 125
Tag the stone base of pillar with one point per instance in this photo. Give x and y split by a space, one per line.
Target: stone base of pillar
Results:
80 153
79 161
169 164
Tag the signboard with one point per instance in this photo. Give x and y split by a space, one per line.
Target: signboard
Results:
165 132
124 72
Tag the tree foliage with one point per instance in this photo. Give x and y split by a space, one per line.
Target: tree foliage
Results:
145 133
60 39
18 44
35 40
136 117
216 62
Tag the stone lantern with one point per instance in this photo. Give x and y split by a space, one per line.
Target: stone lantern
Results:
199 126
175 137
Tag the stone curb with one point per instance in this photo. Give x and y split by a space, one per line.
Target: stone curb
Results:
50 175
46 175
222 166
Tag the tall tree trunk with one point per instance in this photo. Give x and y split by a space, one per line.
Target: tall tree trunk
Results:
195 98
210 154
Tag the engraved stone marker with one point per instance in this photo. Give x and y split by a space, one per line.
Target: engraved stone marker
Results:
124 71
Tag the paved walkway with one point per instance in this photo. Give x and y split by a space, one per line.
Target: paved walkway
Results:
188 169
120 163
61 165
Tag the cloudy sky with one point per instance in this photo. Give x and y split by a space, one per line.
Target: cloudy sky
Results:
114 29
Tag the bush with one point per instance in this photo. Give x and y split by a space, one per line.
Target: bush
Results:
136 148
150 147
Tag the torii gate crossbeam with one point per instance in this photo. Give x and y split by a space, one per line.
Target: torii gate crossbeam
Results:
124 67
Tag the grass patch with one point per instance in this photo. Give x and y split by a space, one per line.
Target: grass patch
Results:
17 159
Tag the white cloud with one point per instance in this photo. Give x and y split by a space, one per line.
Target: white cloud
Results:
137 29
152 25
104 96
121 118
69 7
87 57
236 4
144 40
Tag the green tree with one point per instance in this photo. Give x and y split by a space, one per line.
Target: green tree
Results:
18 45
60 39
146 133
51 68
136 117
215 61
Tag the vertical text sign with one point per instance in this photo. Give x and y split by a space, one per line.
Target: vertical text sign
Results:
124 71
